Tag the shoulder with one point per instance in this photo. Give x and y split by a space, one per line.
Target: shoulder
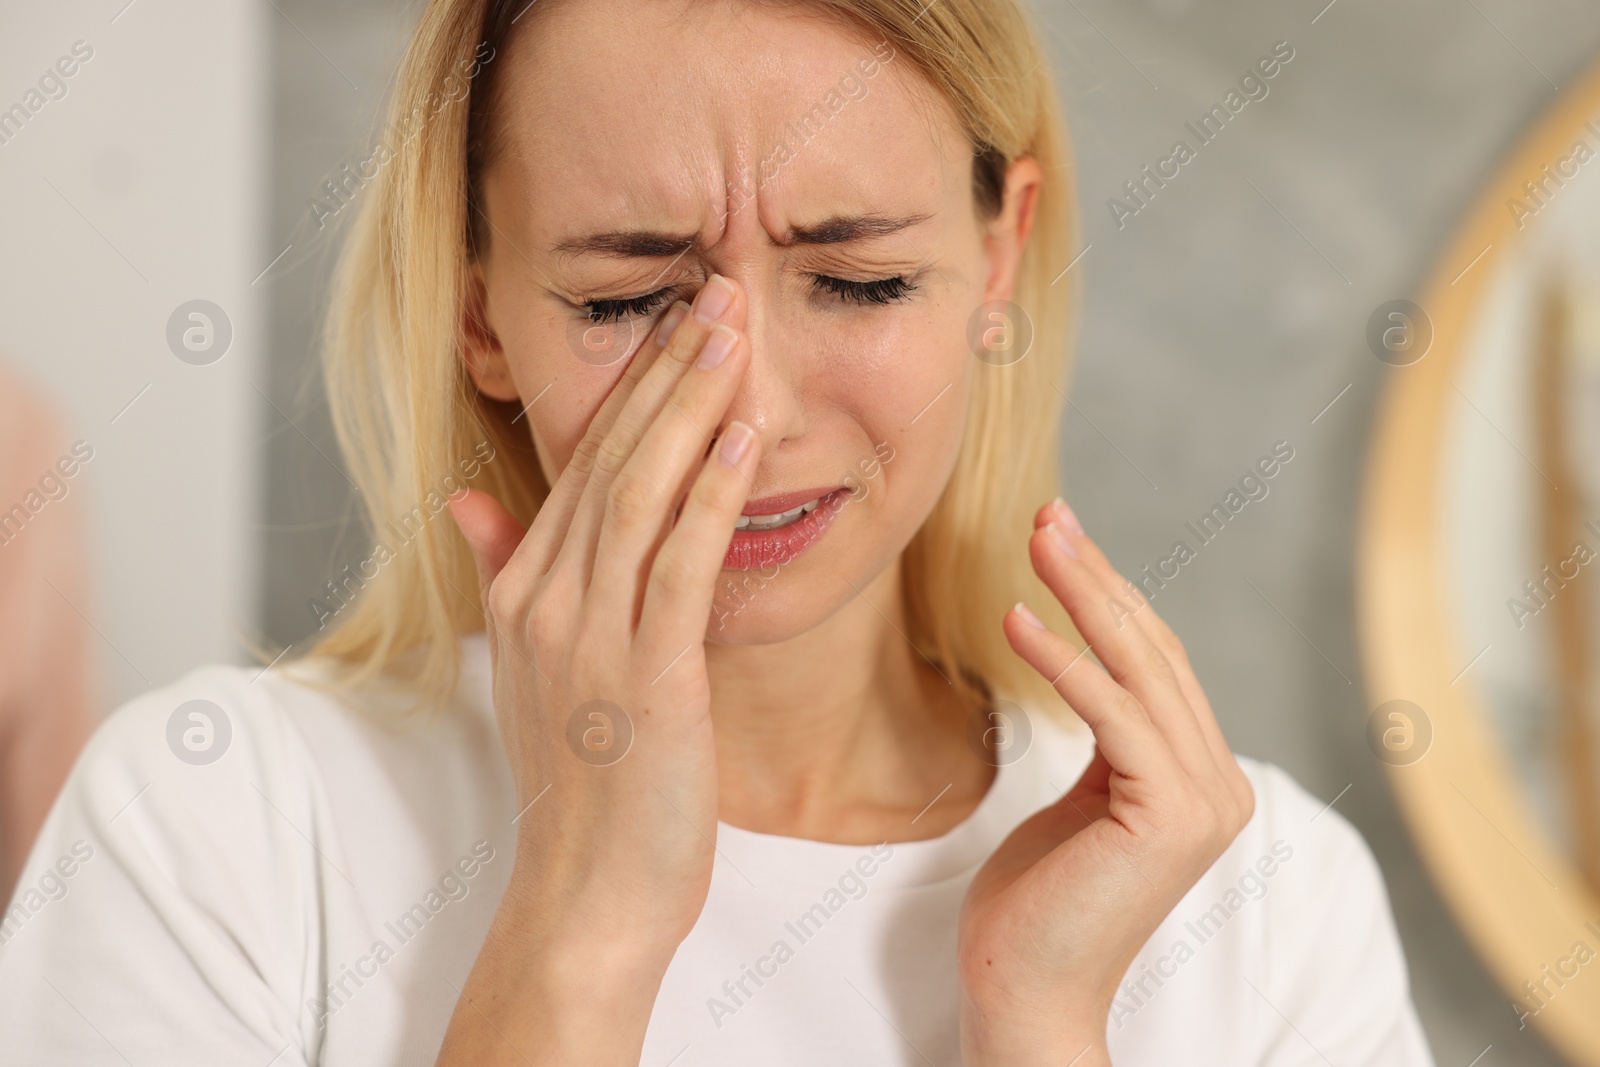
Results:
1299 872
203 793
216 743
279 730
216 727
223 844
185 850
1328 863
252 796
1318 883
1322 945
230 760
1291 921
1287 811
1291 833
1289 826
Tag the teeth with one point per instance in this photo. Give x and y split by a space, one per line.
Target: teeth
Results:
772 522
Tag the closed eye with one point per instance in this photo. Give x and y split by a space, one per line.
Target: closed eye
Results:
876 291
609 310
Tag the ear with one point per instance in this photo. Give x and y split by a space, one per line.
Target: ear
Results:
1007 233
481 351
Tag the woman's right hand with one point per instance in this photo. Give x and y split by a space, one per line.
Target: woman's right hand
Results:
607 599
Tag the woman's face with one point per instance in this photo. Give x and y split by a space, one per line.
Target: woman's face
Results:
769 146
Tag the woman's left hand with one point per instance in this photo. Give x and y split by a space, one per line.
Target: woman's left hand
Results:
1053 920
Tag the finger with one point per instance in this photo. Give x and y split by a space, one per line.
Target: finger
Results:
719 301
1162 636
1096 778
1136 603
1126 651
550 526
1123 730
492 534
683 575
639 508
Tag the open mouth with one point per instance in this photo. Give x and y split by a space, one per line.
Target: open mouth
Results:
775 530
778 521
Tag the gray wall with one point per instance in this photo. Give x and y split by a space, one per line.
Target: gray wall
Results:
1223 317
134 190
334 64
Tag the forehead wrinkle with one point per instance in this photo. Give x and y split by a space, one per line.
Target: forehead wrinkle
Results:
651 244
662 198
724 167
724 158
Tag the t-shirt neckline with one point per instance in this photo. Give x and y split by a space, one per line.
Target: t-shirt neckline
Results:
753 857
749 857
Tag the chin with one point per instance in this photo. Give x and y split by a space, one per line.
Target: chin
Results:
768 607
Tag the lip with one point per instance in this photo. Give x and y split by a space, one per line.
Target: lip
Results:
777 505
752 549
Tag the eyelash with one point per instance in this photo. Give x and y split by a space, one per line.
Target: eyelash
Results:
877 291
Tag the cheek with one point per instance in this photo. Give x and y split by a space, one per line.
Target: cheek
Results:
896 369
564 390
904 379
560 417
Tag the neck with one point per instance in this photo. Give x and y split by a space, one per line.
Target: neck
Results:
842 733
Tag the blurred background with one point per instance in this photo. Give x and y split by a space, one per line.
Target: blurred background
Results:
163 272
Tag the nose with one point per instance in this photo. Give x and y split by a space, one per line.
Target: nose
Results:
770 397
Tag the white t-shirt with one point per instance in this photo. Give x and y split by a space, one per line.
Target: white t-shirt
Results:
316 894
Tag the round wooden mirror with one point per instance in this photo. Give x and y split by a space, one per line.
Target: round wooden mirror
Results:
1478 547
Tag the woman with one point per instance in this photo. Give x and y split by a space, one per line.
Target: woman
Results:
743 754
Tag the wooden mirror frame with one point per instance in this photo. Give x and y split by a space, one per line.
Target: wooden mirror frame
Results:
1521 900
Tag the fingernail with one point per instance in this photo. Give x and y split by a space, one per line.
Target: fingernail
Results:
713 299
1028 616
735 443
1059 535
1068 519
717 346
669 322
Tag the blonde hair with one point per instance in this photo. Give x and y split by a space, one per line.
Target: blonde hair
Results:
406 413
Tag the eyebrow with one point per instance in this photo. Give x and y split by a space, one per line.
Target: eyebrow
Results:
654 243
